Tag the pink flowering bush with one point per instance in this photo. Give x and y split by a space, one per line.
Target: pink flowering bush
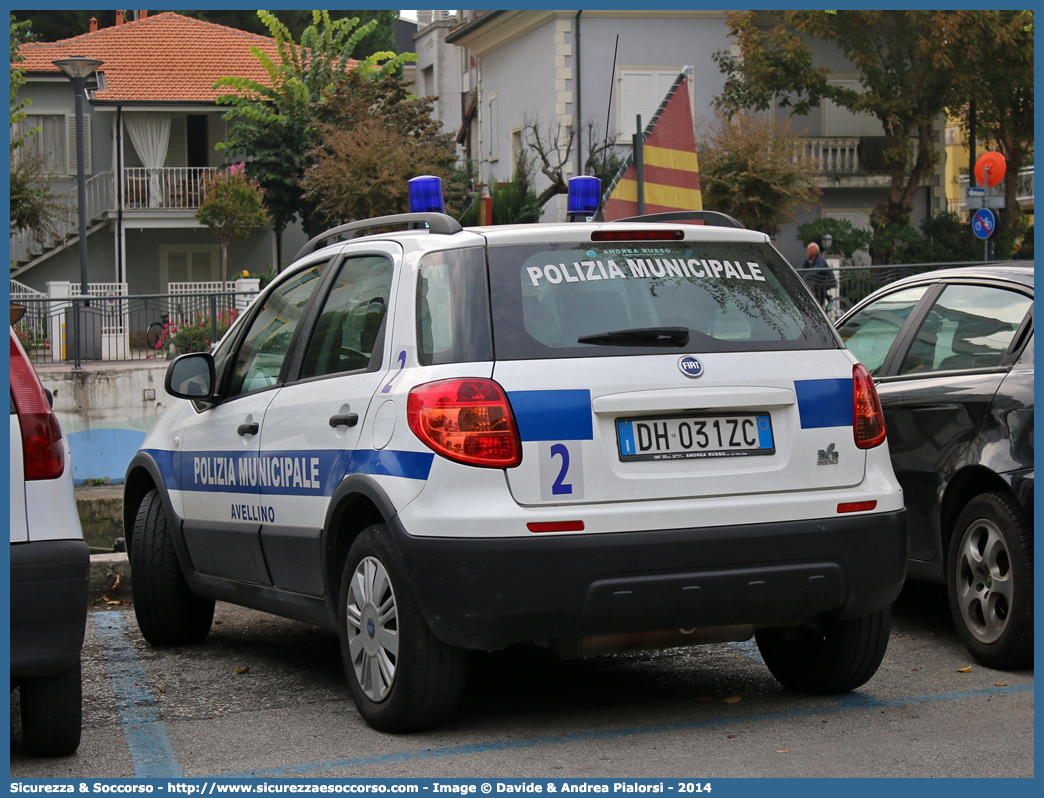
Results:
196 336
232 206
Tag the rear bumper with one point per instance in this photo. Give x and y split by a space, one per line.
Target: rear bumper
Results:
49 584
492 592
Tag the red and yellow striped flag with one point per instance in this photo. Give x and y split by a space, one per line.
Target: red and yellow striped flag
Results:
672 174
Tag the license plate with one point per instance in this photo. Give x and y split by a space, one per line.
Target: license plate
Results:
695 437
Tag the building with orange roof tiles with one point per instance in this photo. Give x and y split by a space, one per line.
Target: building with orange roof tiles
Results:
152 124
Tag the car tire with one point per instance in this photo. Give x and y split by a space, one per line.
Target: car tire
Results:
839 656
52 713
168 612
990 581
401 676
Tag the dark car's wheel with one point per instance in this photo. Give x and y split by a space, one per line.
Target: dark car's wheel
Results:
52 713
401 676
837 657
168 612
990 579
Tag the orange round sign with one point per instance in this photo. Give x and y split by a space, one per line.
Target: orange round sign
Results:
997 165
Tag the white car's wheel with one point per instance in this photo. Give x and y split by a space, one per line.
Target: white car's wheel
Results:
168 612
401 676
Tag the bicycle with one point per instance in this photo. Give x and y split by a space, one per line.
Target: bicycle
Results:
153 335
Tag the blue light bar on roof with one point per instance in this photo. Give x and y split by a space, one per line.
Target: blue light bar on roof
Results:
583 197
426 195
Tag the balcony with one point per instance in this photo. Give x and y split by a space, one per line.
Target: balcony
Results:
178 188
1023 192
847 161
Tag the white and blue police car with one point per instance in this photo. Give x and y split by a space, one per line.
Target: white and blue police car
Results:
591 436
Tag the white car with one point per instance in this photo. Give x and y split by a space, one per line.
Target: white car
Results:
593 436
50 569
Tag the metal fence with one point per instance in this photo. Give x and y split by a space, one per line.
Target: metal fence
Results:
854 283
118 328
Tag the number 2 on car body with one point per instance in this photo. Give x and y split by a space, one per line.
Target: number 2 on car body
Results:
561 470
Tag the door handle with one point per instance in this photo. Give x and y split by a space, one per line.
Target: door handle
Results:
248 429
345 420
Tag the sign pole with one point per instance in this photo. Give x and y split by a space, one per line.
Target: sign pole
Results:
986 185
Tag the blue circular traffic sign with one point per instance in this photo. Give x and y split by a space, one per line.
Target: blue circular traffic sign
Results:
983 223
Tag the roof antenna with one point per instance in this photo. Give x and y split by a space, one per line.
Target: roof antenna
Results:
599 216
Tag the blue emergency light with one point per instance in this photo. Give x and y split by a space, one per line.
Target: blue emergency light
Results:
426 195
583 197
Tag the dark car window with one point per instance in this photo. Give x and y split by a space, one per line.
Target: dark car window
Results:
970 326
869 334
346 332
453 308
265 345
601 299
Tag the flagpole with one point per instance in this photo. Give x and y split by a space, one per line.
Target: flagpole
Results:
639 163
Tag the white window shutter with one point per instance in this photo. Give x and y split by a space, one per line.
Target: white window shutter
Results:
494 129
637 96
838 121
70 149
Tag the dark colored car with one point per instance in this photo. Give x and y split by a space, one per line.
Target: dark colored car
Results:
951 353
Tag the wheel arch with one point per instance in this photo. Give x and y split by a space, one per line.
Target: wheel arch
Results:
145 474
966 485
358 502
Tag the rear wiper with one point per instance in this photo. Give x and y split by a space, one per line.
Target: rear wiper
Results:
642 336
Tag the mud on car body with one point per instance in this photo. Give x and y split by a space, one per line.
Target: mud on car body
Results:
590 436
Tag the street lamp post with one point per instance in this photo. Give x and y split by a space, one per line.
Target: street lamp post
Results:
78 69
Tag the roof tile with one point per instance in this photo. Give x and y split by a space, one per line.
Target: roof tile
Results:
163 58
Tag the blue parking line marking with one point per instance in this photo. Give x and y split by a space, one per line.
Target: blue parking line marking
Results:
146 734
855 702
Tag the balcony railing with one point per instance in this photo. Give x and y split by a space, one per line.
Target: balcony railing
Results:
168 188
846 156
832 155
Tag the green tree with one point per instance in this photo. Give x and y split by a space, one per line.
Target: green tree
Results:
33 206
906 73
232 206
848 239
375 136
274 124
996 71
748 171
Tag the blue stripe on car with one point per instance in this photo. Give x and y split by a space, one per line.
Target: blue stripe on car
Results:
824 403
302 472
553 415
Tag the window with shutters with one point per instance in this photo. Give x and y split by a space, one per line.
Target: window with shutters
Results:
196 263
494 128
838 121
55 138
641 92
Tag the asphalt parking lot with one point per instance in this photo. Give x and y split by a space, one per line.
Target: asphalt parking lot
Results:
263 696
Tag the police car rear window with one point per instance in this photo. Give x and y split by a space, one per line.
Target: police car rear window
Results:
597 300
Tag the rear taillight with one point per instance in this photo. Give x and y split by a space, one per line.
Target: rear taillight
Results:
869 423
469 421
42 449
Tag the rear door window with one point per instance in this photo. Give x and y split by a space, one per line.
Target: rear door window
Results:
603 300
969 327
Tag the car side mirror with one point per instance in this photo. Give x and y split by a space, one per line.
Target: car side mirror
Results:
191 376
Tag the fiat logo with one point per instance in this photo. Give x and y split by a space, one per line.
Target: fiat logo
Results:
690 367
